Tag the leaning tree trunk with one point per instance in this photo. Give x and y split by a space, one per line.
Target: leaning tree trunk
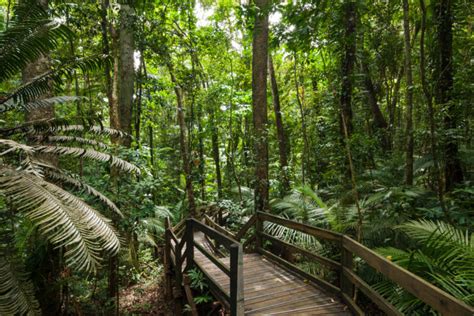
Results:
443 90
281 134
259 103
408 97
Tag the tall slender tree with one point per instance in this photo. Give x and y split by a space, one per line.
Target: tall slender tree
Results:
444 88
347 65
408 96
259 102
126 80
281 133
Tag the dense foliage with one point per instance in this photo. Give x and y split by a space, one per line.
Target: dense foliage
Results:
367 131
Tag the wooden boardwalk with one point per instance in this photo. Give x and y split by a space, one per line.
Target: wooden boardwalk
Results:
270 289
250 278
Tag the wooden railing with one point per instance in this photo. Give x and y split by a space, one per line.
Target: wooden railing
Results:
182 259
348 279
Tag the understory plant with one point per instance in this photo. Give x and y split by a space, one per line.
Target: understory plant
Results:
439 253
37 193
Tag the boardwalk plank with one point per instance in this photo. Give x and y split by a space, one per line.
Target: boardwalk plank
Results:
269 289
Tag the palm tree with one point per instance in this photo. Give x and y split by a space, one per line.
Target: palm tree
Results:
31 187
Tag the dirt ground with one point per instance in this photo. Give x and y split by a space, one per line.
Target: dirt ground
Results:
145 299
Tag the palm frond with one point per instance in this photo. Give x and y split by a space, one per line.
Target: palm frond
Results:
65 220
303 204
98 130
55 174
14 146
29 36
17 296
42 84
442 254
74 139
11 105
38 127
90 154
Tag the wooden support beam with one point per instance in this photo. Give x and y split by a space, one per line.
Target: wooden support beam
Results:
213 259
246 227
347 262
167 262
381 302
189 295
236 280
189 235
220 229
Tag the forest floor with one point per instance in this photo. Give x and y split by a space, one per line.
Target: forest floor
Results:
145 298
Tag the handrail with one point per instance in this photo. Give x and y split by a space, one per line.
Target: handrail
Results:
423 290
241 233
211 223
234 271
310 230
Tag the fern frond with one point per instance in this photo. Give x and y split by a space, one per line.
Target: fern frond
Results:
17 295
65 220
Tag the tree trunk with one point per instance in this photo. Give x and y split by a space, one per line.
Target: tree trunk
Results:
183 141
259 102
431 112
281 133
379 120
126 71
348 61
408 97
120 107
215 152
138 113
443 91
304 154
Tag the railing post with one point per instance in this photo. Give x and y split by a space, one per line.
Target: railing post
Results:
167 260
236 280
219 217
347 261
258 230
189 235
